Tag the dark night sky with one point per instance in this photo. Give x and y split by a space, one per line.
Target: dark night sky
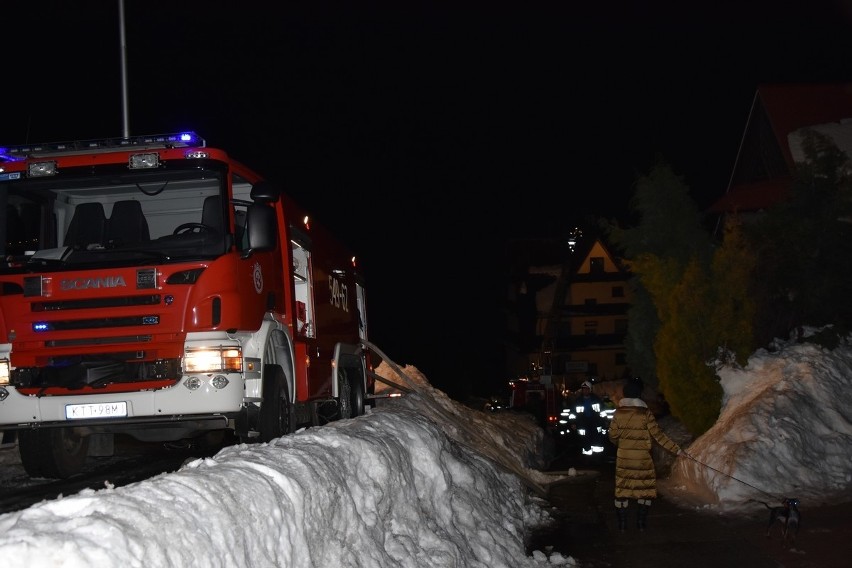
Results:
426 134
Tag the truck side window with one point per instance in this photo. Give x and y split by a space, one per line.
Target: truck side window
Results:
240 235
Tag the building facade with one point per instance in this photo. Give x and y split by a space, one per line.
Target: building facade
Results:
576 315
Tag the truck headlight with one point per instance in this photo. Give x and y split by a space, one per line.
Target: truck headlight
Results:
4 372
213 360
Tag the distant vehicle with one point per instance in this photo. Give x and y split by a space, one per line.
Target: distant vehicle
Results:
155 287
496 404
538 398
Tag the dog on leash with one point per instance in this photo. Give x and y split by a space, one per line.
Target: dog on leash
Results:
787 516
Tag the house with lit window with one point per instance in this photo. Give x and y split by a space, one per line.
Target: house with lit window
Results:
568 298
575 309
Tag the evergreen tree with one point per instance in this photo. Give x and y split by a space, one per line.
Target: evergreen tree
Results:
691 303
733 296
642 327
655 251
803 246
683 345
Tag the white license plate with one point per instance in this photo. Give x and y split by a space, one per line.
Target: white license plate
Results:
101 410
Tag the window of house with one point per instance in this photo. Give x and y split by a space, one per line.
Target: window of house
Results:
596 265
618 291
591 302
591 327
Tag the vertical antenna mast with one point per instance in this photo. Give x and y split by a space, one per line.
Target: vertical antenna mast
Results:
124 111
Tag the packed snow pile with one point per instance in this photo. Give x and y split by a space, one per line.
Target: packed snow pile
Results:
785 430
390 488
512 441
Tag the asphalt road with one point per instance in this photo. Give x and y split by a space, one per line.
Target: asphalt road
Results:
133 461
680 535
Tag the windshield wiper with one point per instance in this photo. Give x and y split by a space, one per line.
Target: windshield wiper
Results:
147 252
53 256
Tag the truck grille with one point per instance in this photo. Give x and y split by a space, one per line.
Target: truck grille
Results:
115 302
99 341
95 323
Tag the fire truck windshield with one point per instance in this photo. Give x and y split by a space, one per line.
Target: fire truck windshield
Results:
104 215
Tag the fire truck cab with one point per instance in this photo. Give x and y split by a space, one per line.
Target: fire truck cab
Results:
155 287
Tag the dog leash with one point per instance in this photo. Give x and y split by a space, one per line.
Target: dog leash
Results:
732 477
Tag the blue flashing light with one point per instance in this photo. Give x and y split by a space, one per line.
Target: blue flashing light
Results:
6 156
41 326
191 139
180 139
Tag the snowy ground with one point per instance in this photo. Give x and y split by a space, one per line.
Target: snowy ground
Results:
425 481
420 481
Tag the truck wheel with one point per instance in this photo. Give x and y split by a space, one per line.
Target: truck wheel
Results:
54 453
276 413
351 393
357 395
344 395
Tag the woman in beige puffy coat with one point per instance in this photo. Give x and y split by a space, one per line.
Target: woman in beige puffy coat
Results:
633 430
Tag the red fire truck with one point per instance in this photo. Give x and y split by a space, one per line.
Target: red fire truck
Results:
536 397
154 287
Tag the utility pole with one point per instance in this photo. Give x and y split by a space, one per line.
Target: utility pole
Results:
123 47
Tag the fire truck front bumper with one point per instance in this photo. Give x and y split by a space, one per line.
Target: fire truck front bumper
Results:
194 398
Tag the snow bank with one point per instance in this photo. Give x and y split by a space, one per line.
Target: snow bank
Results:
785 430
386 489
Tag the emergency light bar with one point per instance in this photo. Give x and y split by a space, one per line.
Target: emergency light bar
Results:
177 140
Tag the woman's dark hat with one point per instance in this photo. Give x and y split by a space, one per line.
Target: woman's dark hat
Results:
633 388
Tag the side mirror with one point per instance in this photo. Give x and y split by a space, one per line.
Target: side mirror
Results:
261 228
265 192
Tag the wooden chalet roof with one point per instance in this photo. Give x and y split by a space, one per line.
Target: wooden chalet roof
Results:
585 247
791 107
755 196
765 164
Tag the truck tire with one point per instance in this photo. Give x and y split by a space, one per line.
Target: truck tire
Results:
53 453
276 412
357 395
344 395
351 392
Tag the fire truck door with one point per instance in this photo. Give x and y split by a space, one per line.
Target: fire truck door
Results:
303 291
